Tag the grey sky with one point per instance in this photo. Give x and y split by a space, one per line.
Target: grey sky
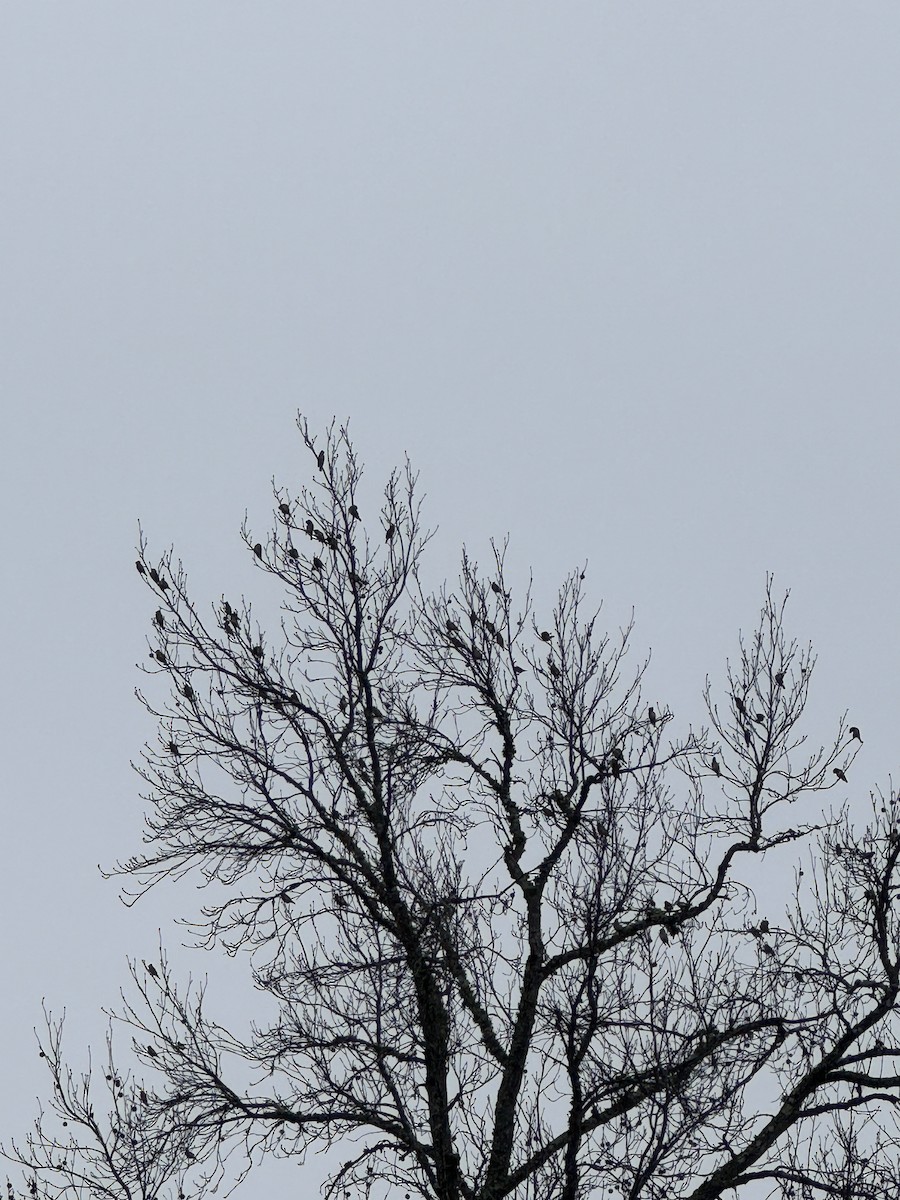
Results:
621 278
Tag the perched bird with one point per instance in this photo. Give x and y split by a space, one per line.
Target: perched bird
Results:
292 553
747 738
779 678
739 705
256 651
158 618
317 564
759 718
390 531
496 589
152 1052
854 733
188 692
554 669
309 528
651 715
664 936
354 512
840 774
151 970
160 657
545 636
518 670
320 460
717 770
764 925
143 1097
452 627
163 585
767 949
140 567
498 638
342 704
284 509
257 549
154 575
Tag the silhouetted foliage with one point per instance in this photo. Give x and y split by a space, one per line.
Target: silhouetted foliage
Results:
497 899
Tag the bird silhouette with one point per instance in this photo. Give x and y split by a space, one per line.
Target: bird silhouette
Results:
140 568
390 531
188 692
452 627
496 589
747 737
309 528
320 460
545 636
152 1052
292 553
764 925
173 749
151 970
317 564
779 678
651 715
257 549
717 770
154 575
143 1097
354 512
284 509
854 733
160 657
840 774
739 705
158 618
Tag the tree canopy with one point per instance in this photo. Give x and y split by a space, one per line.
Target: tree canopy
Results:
498 898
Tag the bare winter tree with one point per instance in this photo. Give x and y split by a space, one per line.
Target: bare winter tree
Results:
501 909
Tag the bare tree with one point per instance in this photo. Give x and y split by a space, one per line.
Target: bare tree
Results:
502 907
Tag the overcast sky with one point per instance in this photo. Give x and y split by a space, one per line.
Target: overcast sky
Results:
622 279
